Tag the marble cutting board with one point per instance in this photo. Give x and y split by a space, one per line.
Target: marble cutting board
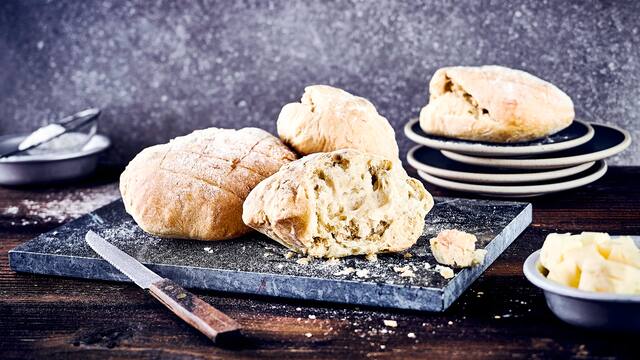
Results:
254 264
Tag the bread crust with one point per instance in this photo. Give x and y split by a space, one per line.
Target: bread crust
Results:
290 208
194 186
328 119
494 104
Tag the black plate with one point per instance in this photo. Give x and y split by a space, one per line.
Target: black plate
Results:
574 131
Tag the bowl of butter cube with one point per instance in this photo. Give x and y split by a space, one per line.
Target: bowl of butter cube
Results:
590 280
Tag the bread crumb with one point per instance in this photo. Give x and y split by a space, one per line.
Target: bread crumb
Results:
445 271
390 323
362 273
312 317
382 347
407 255
289 255
308 335
345 271
427 266
478 256
298 309
372 257
497 317
332 261
303 261
404 271
456 248
411 335
450 323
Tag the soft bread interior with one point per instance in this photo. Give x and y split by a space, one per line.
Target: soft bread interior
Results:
363 207
458 102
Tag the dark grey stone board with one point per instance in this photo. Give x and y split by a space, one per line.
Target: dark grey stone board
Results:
254 264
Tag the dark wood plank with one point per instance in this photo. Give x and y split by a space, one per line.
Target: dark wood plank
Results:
501 315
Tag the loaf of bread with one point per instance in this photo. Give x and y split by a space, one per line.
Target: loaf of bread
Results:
340 203
194 186
494 104
329 119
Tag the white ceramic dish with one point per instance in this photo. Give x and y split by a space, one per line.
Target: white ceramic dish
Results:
602 311
577 134
522 190
607 141
432 162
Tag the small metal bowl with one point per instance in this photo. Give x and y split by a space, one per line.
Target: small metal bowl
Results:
48 168
601 311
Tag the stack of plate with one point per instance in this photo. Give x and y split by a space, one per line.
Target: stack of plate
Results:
568 159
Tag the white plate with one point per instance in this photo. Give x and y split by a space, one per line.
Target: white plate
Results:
577 134
432 162
524 190
607 141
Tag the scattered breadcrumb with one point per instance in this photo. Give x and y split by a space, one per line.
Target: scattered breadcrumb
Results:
450 323
478 256
289 255
445 271
362 273
209 250
404 271
427 266
390 323
312 317
383 347
372 257
345 271
308 334
411 335
497 317
332 261
298 309
304 261
407 255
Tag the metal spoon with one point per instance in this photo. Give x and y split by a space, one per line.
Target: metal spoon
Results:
54 130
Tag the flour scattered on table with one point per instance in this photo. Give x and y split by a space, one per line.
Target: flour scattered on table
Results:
72 205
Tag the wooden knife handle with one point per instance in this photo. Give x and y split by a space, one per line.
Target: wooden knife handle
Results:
196 312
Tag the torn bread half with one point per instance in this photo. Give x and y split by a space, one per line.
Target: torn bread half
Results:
494 104
340 203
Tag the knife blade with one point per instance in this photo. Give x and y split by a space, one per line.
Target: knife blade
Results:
195 311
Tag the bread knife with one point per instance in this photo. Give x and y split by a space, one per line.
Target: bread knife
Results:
193 310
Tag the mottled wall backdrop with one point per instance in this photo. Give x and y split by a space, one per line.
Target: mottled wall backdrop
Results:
163 68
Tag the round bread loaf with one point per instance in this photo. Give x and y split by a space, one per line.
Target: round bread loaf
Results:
494 104
329 119
341 203
194 186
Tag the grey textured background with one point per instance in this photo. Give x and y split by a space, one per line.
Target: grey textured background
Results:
164 68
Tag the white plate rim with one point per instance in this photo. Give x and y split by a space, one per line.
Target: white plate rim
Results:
492 178
549 163
498 149
515 190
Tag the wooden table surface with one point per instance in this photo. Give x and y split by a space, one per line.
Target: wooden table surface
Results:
500 315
